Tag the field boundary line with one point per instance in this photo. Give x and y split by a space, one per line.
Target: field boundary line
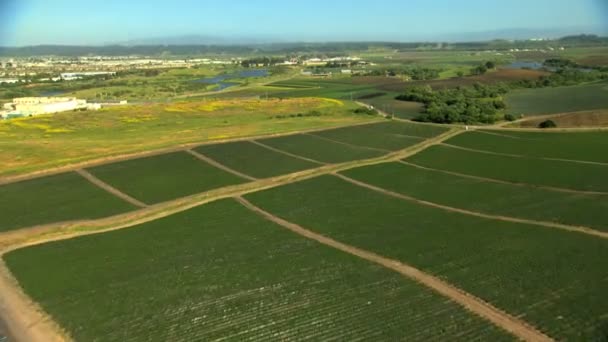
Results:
347 144
575 229
158 151
274 149
498 317
499 181
219 165
107 187
522 156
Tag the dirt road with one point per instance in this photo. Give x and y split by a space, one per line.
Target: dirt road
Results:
500 318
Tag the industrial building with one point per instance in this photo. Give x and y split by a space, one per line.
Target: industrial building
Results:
30 106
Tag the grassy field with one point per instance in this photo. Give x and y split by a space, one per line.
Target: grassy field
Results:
221 272
254 160
318 149
557 288
488 197
63 197
554 173
558 99
585 146
391 135
46 141
164 177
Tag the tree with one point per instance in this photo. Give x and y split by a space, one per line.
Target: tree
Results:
459 73
490 65
547 124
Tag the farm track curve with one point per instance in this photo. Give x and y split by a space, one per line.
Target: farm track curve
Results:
553 225
515 326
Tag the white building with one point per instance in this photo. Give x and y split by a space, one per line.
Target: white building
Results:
28 106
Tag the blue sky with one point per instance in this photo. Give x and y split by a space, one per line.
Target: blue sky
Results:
27 22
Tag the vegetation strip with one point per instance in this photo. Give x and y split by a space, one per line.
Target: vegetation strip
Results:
500 318
219 166
347 144
583 230
493 180
287 153
523 157
107 187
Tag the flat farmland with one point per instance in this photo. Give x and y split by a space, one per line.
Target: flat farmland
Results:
553 173
254 160
164 177
588 118
390 136
558 99
488 197
501 75
557 288
221 272
584 146
319 149
63 197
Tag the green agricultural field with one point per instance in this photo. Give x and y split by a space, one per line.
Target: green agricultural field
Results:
393 135
488 197
318 149
254 160
553 279
164 177
558 99
221 272
555 173
585 146
63 197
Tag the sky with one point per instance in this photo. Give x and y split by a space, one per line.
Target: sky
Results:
92 22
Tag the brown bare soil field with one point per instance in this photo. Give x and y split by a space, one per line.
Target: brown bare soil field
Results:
590 118
502 75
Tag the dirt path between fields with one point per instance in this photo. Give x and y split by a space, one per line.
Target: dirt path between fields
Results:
347 144
268 147
523 157
24 319
150 153
28 322
485 310
107 187
577 229
219 165
499 181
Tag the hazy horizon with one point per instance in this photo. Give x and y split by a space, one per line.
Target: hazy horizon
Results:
69 22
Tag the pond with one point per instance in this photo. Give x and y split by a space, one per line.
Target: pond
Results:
525 65
220 79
